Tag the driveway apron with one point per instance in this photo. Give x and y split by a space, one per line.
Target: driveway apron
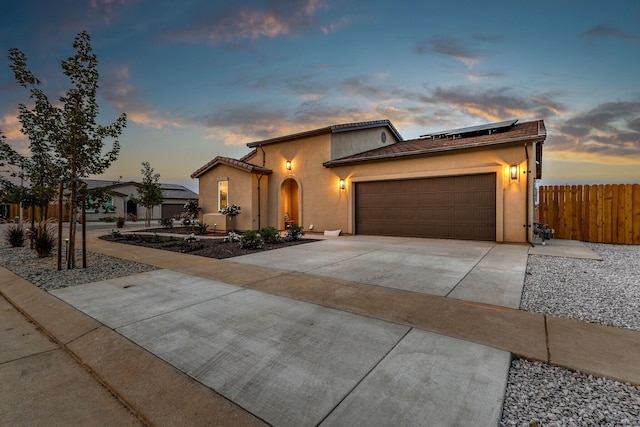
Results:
293 363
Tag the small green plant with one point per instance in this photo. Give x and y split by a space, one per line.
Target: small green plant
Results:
156 238
251 240
191 243
232 211
232 237
14 235
120 222
294 232
116 234
166 222
271 235
45 239
107 219
200 228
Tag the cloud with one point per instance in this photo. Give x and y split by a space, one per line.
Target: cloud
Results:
611 130
493 104
120 93
239 22
606 31
452 47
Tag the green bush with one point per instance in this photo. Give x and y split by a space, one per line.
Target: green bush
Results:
120 222
166 222
294 232
45 239
107 219
201 228
270 235
14 235
251 240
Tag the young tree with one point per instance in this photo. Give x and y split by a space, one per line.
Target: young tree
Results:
149 191
70 134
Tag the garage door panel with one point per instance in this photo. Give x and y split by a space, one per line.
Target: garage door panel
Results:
459 207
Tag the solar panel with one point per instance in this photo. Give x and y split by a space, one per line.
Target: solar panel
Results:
486 128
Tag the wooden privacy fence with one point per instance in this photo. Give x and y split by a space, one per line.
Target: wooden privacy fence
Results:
592 213
51 212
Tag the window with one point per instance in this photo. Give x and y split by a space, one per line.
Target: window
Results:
223 194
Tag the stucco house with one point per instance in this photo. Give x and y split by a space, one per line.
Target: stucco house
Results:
471 183
122 203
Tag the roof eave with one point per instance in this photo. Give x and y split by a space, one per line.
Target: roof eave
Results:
339 162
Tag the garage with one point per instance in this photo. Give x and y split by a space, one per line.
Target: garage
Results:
172 210
452 207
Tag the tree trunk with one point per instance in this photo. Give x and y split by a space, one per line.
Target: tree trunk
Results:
73 215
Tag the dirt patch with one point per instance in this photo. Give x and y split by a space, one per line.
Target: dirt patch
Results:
211 248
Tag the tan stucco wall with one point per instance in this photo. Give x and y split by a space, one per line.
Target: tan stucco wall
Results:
321 203
345 144
325 206
240 193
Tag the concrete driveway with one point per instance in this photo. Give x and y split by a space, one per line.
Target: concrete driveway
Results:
485 272
293 363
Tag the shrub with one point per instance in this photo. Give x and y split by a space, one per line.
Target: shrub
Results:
116 233
166 222
107 219
271 235
231 210
294 232
120 222
200 227
191 243
14 235
45 239
232 237
251 240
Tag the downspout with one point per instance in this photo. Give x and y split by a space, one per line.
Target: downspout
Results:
527 225
259 176
264 159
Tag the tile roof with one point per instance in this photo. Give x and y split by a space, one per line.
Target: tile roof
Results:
521 132
346 127
238 164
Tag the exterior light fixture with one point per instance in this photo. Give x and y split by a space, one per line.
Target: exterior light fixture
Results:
342 184
287 165
513 171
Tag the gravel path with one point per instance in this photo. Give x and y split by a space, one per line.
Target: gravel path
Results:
606 292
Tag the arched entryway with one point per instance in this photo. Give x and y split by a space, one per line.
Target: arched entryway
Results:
289 202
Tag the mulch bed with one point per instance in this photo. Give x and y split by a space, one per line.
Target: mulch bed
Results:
211 248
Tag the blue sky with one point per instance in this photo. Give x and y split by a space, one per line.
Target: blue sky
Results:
203 78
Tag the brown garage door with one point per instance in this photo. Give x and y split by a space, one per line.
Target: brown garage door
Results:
172 210
452 207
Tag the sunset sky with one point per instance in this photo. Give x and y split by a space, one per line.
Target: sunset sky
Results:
203 78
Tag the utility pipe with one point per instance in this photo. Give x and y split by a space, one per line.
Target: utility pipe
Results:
527 225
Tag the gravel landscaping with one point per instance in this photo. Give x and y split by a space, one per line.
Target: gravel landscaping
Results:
605 292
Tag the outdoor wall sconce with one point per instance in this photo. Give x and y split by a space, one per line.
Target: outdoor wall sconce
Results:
342 184
513 171
287 165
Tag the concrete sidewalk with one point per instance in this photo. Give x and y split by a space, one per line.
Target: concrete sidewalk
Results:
199 315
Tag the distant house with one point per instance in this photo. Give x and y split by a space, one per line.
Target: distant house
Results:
122 203
362 178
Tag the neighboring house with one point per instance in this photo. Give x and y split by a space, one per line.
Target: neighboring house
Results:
122 203
362 178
